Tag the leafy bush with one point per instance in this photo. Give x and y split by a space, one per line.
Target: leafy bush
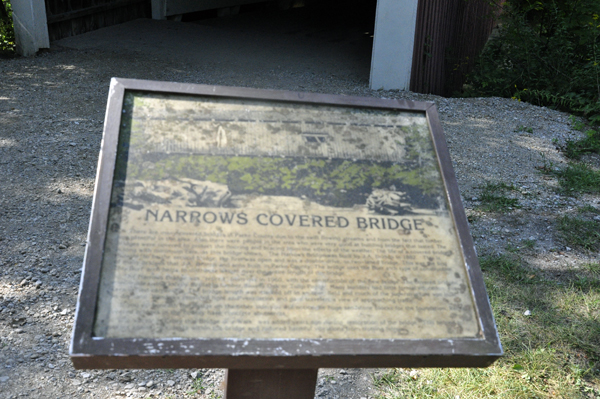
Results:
7 33
546 52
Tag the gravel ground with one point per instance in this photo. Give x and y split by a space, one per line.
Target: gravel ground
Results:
51 117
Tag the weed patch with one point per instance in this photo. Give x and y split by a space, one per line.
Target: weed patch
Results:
550 331
524 129
493 198
576 178
589 210
579 232
197 386
589 144
593 268
579 178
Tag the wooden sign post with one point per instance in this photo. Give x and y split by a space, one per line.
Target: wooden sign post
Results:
274 233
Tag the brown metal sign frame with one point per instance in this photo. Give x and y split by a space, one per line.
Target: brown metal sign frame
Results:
88 351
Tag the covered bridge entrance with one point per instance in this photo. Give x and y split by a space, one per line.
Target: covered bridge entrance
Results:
420 45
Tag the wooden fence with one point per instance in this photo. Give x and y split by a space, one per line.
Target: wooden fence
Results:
73 17
448 37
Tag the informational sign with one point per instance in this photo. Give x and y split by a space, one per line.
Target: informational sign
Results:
297 230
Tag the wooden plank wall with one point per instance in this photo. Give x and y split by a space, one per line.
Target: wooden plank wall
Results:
448 37
74 17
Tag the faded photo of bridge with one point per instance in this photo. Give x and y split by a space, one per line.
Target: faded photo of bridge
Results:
227 153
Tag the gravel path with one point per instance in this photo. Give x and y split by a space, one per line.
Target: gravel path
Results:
51 116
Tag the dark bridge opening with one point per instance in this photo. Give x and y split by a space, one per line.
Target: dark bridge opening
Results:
323 38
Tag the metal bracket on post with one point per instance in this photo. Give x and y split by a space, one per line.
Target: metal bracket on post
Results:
271 384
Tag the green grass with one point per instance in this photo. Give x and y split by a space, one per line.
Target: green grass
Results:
552 353
494 198
525 129
589 144
576 123
579 232
576 178
197 386
593 268
589 209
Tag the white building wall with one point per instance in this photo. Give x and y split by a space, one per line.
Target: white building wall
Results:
393 44
31 27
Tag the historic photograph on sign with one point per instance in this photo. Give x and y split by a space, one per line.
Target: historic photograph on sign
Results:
249 219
